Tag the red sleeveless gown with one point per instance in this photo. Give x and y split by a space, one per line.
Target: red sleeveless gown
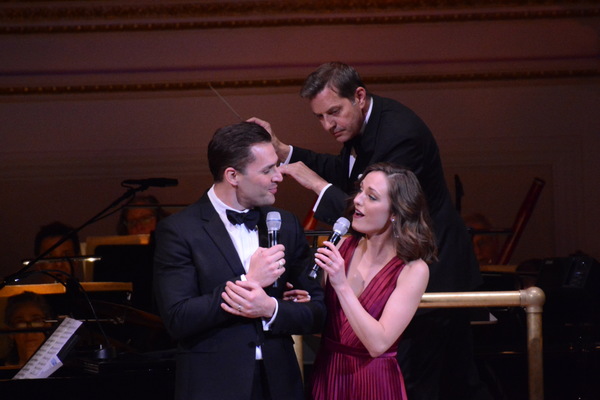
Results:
343 368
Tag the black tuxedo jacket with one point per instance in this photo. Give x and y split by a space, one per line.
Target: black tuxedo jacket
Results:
194 258
396 134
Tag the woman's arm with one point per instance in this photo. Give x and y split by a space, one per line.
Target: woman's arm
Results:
379 335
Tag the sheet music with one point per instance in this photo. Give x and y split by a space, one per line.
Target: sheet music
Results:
45 361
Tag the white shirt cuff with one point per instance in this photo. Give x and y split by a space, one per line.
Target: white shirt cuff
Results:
267 324
289 157
320 196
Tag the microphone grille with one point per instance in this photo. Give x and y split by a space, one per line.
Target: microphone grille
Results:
341 225
273 220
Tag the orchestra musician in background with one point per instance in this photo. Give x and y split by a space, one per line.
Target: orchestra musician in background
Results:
140 220
25 311
48 236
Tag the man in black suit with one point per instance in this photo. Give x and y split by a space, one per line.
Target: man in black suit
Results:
214 276
435 354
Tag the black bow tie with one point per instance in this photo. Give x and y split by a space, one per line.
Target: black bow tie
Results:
250 219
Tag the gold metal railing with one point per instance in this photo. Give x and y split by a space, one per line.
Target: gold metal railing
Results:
531 299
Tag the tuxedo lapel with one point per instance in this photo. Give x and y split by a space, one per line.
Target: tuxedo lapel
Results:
215 229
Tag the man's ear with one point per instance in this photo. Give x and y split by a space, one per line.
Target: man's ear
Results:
360 96
231 176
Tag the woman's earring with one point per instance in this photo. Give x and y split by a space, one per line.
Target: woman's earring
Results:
393 228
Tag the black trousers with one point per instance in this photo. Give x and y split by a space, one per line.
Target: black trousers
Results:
436 357
260 386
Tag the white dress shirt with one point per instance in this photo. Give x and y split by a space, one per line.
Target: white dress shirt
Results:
245 242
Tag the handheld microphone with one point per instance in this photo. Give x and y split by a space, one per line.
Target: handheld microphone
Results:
157 182
340 228
273 227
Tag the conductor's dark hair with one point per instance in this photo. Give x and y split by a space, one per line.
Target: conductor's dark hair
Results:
337 76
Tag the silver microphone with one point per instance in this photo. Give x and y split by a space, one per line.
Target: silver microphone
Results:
273 227
340 228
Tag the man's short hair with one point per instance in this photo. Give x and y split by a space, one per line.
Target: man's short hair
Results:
337 76
230 147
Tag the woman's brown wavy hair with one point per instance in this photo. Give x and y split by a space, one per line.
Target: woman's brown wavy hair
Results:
412 227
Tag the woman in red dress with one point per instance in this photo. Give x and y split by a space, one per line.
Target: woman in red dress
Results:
374 284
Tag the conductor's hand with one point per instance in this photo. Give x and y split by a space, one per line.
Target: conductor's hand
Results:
282 149
266 265
304 176
295 295
247 299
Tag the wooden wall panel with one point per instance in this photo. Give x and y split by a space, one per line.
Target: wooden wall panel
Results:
92 93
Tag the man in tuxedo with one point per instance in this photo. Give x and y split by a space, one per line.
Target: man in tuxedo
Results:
215 275
436 354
